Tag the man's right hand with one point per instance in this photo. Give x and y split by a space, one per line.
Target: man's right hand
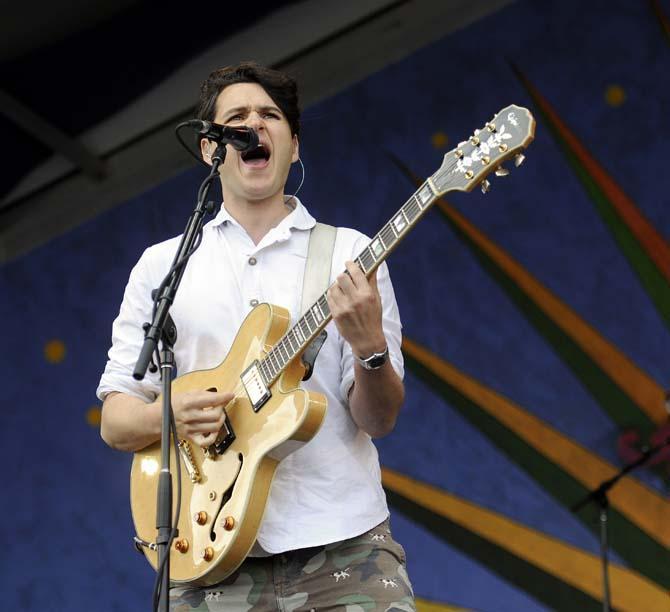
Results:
199 415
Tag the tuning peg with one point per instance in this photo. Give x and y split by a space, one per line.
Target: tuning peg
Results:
486 186
519 159
501 171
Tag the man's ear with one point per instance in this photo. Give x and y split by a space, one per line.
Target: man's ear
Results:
296 149
206 150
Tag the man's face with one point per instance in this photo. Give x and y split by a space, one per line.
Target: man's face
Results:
259 174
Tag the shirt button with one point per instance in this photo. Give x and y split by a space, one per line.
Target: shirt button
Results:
252 261
253 302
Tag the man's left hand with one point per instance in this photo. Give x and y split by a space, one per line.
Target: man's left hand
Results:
356 307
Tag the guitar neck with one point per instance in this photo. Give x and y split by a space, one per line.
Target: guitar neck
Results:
317 316
464 167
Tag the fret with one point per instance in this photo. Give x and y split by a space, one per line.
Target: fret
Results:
267 369
274 361
367 260
358 261
392 226
283 353
278 359
376 248
424 195
287 349
400 222
289 337
316 311
387 235
310 322
264 371
412 209
323 304
304 328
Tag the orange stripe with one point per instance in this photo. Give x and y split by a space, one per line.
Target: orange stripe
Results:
640 504
630 591
662 19
640 387
651 241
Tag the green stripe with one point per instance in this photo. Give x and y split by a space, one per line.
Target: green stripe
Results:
651 278
544 587
643 553
613 400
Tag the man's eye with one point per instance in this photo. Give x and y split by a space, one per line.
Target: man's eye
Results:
272 115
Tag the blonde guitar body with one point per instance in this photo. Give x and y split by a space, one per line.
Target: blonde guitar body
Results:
224 494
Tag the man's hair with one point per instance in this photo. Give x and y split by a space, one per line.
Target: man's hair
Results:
279 86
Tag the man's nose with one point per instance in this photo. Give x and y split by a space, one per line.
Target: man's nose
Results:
254 120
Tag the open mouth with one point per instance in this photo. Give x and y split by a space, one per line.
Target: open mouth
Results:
256 157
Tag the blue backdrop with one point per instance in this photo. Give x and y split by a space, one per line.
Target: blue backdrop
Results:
604 67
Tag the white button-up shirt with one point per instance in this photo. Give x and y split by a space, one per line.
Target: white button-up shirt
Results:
330 489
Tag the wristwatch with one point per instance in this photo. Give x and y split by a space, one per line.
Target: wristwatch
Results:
374 361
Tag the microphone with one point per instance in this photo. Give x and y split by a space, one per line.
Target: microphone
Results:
240 138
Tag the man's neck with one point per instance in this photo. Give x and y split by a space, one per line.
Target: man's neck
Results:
258 217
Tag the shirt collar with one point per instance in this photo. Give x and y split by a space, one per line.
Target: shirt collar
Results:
299 218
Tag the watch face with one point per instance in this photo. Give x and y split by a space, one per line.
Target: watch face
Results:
376 362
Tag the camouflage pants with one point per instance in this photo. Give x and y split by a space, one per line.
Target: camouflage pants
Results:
363 574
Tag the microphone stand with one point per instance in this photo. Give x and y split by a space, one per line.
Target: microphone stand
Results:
162 327
599 497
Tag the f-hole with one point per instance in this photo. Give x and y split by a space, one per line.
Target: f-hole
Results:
227 494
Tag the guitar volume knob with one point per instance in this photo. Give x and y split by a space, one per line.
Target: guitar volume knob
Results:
200 517
181 545
208 553
229 523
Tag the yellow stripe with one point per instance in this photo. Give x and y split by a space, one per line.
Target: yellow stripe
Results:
640 387
582 570
423 605
640 504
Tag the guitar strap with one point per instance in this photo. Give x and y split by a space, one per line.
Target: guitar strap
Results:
315 282
319 262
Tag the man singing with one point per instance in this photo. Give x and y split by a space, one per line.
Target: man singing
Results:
324 542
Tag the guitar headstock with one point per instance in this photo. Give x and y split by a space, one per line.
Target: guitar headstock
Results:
502 138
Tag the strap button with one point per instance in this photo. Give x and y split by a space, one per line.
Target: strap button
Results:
253 302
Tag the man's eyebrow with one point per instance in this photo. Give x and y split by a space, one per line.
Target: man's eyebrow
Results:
246 109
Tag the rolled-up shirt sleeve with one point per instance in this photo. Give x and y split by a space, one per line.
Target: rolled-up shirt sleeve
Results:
390 323
128 337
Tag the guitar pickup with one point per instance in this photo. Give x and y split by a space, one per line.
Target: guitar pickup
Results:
257 391
226 436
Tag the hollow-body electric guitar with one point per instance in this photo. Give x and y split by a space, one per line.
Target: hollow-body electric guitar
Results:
226 485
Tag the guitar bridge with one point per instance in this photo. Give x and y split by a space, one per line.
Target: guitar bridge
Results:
189 462
254 384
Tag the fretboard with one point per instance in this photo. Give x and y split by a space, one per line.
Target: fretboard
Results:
310 324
